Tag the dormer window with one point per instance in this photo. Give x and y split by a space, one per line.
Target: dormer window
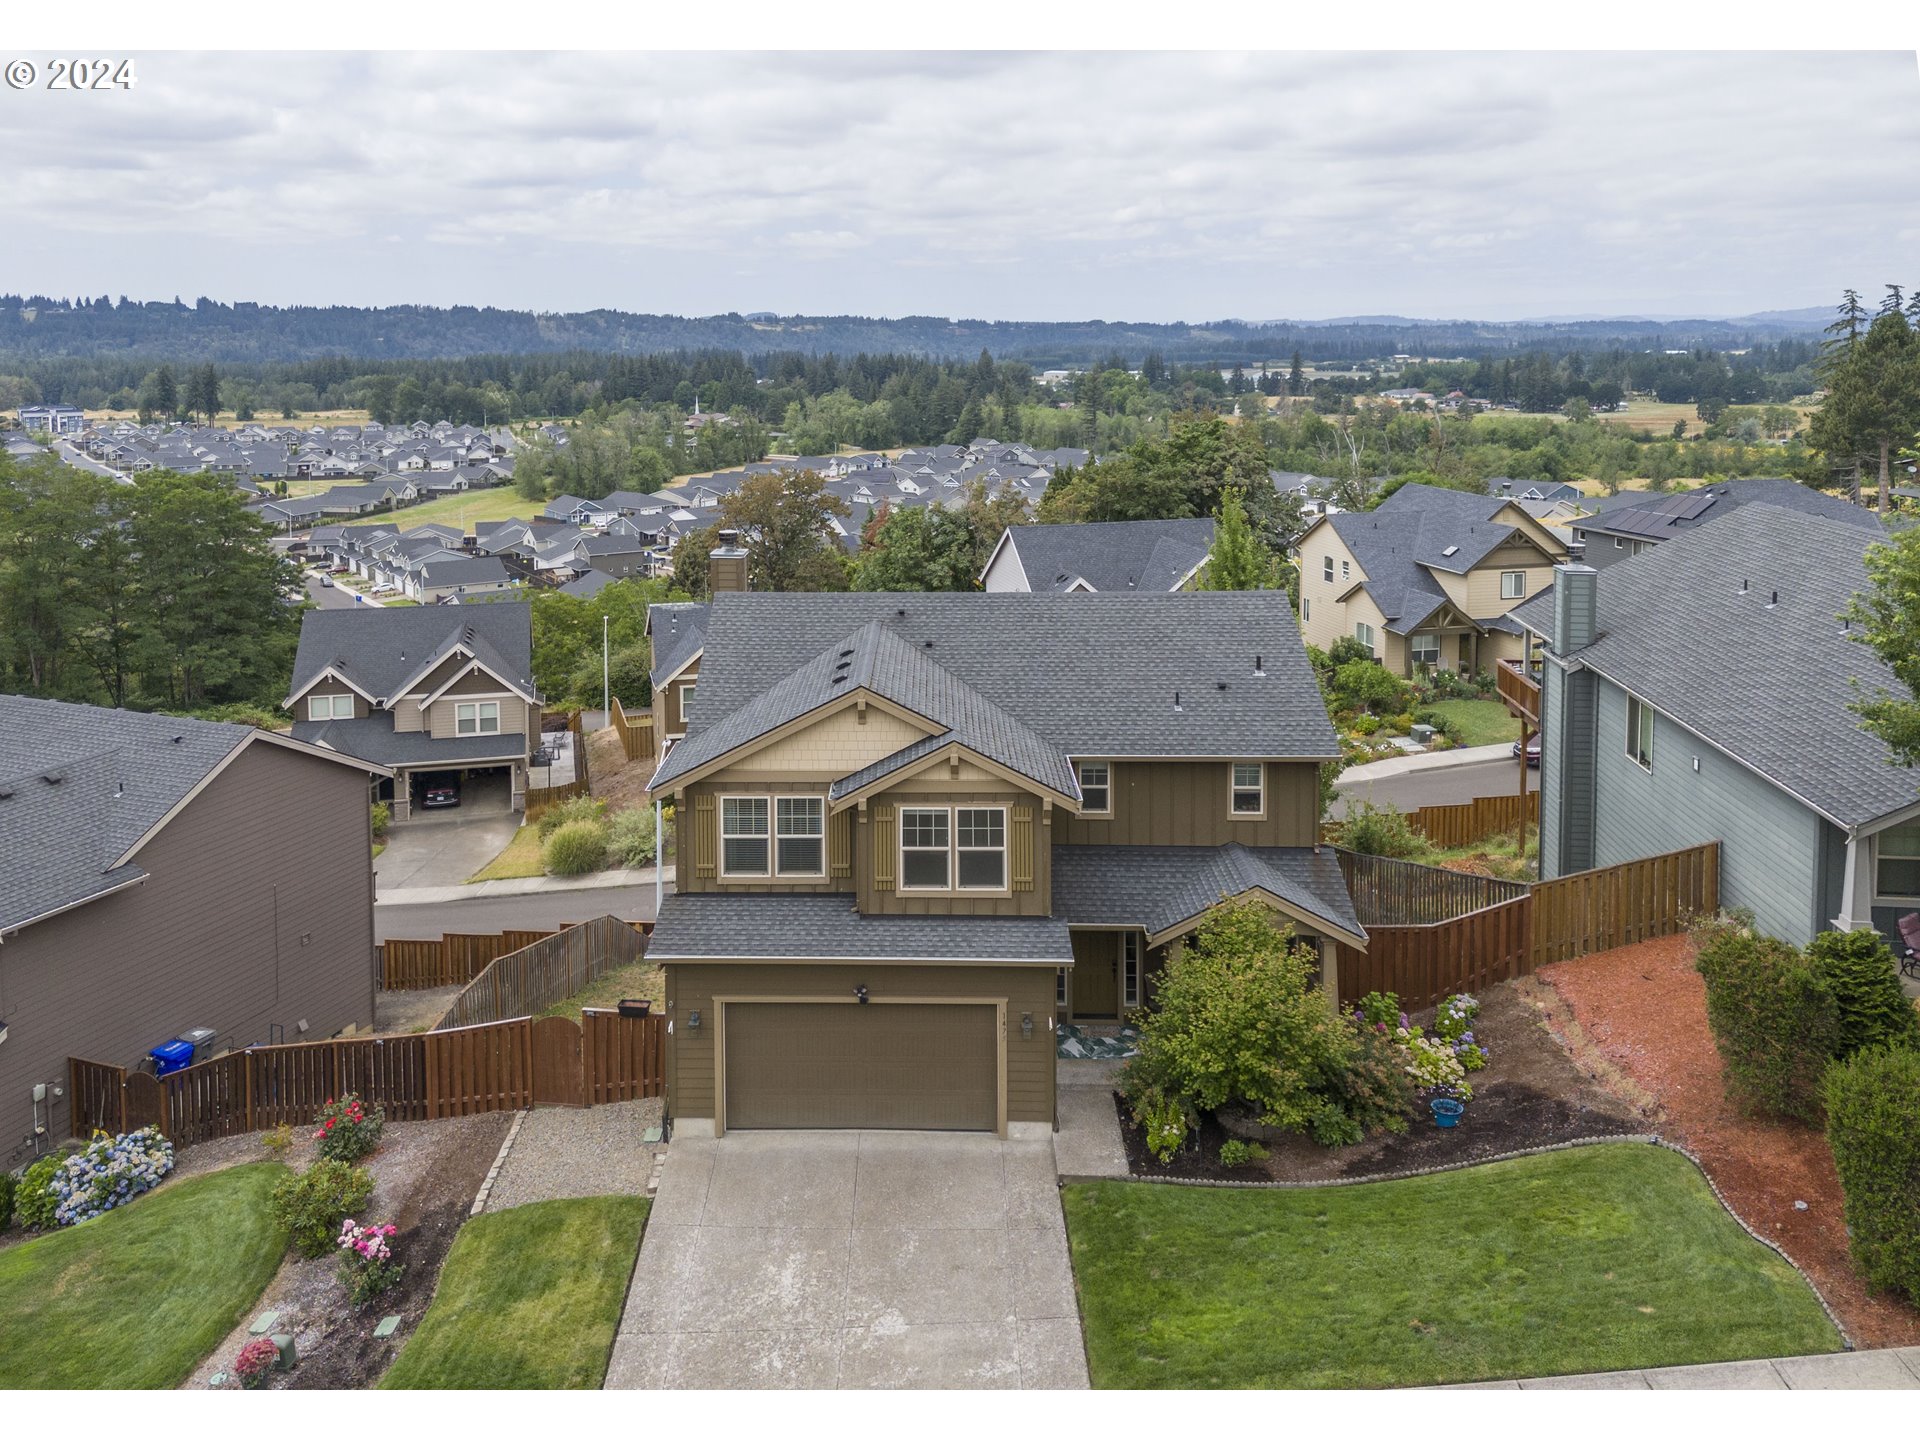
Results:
477 717
329 707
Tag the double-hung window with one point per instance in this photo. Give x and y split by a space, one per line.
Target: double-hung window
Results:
1425 649
1363 632
1640 732
1249 788
686 702
1129 968
1326 567
743 835
980 844
1346 569
924 843
1513 584
477 717
329 707
1897 863
800 829
1060 987
1096 788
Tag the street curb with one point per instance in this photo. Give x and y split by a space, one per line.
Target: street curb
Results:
1418 764
531 885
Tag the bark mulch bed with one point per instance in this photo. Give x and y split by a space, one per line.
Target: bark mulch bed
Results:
1636 1018
1530 1094
426 1174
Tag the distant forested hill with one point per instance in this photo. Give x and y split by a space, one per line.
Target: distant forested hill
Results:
36 326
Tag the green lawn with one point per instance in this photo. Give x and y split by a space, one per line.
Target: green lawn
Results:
519 860
500 502
136 1299
642 980
1478 722
529 1299
1609 1257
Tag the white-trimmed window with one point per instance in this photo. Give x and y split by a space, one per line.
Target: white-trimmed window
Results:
1060 987
1640 732
980 847
1306 608
1346 569
1096 787
743 835
1513 584
477 717
329 707
1129 968
800 831
925 839
1326 567
686 702
1618 543
1425 649
1363 632
1249 788
1897 862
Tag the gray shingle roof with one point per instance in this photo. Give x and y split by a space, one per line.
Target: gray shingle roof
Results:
79 784
1771 686
373 738
1663 517
827 927
1091 675
381 648
1118 555
1161 887
1412 530
678 630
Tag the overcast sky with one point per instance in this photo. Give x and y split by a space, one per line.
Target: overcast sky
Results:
1036 186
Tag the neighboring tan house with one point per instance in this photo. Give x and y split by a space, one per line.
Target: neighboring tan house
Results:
1426 579
426 691
917 831
164 875
1123 555
1622 531
1701 692
677 632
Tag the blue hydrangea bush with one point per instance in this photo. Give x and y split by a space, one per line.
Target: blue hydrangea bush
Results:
110 1172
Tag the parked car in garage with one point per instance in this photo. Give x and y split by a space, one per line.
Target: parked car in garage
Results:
440 792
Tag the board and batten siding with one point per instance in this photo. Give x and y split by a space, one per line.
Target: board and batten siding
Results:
876 855
1770 844
257 911
696 819
1025 990
330 687
1189 802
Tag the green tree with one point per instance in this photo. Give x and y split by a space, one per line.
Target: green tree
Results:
1296 376
785 524
1872 405
567 634
160 396
1887 615
1237 560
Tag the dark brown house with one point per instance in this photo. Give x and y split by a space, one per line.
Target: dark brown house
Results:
917 832
163 875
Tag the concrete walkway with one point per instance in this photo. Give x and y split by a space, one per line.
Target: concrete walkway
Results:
1087 1146
1426 760
1847 1370
853 1259
530 885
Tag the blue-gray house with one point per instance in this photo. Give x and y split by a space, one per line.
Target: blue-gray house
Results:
1700 691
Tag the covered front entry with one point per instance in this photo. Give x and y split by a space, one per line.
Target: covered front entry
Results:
876 1066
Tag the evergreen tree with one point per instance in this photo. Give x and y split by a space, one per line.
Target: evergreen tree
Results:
1237 561
1296 376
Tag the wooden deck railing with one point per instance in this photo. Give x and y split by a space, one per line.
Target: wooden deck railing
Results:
635 731
1519 688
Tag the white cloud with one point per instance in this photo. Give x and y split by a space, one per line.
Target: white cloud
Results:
1048 185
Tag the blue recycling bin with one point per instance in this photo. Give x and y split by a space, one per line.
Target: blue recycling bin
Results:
173 1055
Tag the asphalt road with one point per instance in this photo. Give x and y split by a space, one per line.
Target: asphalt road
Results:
509 912
1453 785
328 597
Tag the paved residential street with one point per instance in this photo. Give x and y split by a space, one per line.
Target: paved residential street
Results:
1451 786
857 1259
394 919
328 597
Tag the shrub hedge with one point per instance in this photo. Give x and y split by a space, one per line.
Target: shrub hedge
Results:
1773 1018
1873 1128
310 1206
1860 970
36 1200
576 848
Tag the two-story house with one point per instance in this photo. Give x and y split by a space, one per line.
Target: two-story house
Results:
427 692
916 831
1426 579
1627 528
1121 555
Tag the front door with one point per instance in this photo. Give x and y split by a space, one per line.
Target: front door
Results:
1096 980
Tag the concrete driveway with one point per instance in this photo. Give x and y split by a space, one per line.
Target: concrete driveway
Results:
854 1260
440 852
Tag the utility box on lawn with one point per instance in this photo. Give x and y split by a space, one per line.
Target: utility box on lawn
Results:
1421 734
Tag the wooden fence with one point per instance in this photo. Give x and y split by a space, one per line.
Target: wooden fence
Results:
509 1065
450 960
1427 940
1448 826
635 732
528 980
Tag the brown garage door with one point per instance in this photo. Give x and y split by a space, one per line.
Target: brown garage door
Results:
877 1067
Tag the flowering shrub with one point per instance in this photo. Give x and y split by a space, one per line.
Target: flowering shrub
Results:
1438 1060
35 1200
367 1266
311 1205
108 1173
348 1129
255 1359
1454 1018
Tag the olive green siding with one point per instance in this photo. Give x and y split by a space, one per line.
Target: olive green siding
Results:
1186 802
696 820
666 702
1026 990
1029 855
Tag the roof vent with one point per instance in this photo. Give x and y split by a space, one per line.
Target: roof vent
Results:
838 680
178 738
54 777
1176 701
1743 587
845 654
902 613
1219 684
926 644
1259 670
1773 599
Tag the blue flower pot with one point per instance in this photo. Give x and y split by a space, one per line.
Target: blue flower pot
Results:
1446 1112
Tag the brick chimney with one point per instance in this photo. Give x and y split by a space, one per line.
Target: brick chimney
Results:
727 565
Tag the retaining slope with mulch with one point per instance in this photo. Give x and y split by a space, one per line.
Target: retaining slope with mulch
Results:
1636 1021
